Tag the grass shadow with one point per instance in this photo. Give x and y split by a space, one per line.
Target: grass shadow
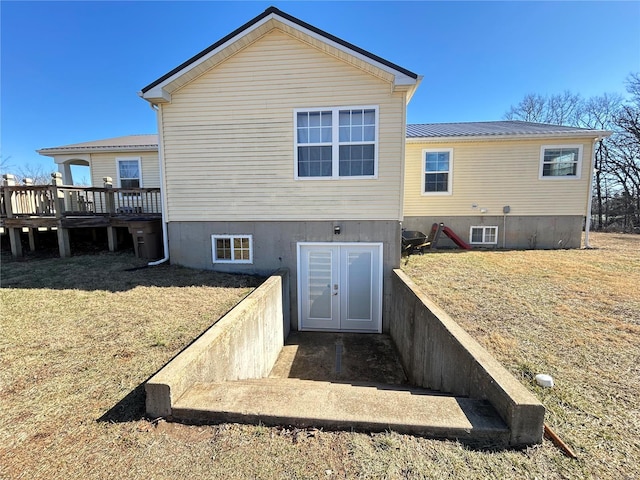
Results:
130 409
112 272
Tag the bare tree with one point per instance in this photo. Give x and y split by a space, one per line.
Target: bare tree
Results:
627 161
600 113
5 165
37 173
530 109
561 109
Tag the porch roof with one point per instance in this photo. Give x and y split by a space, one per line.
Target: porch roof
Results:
135 143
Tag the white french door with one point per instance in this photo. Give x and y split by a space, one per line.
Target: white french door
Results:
340 286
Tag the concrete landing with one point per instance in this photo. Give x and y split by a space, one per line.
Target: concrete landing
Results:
343 406
340 357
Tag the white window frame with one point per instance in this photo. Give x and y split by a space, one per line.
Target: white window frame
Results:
484 234
561 177
423 169
215 237
335 142
128 159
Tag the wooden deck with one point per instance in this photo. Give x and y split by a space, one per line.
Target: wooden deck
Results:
30 208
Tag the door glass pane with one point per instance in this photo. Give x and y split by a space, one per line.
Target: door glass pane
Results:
320 285
359 285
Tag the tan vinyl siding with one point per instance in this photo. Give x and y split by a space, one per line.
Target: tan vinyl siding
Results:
229 145
104 165
492 174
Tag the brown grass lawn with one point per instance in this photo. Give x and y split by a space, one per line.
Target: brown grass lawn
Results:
572 314
79 335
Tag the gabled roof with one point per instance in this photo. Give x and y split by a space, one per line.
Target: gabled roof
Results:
160 90
500 129
131 143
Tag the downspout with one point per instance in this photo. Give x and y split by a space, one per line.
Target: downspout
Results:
163 203
587 223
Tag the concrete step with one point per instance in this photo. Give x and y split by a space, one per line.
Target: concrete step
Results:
343 406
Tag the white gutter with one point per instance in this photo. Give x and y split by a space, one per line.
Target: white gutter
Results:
163 187
587 223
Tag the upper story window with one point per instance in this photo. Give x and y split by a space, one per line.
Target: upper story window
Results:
560 161
129 173
437 171
336 142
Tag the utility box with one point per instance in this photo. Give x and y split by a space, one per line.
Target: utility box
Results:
147 238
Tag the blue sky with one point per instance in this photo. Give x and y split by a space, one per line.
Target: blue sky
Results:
70 71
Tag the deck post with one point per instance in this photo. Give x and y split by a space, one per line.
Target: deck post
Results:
109 199
112 235
112 238
15 241
9 180
32 240
64 245
58 196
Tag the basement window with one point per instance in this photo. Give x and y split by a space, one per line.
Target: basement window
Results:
232 248
483 235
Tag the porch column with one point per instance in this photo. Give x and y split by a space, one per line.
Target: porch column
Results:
65 170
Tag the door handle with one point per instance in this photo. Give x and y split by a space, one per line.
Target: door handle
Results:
335 289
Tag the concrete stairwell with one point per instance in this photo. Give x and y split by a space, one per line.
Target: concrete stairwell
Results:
438 382
342 382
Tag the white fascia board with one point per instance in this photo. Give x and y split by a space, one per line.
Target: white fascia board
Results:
531 136
156 95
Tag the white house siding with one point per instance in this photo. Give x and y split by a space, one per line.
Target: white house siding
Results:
104 165
229 145
492 174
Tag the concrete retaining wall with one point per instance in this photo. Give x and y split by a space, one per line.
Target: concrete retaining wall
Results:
243 344
438 354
